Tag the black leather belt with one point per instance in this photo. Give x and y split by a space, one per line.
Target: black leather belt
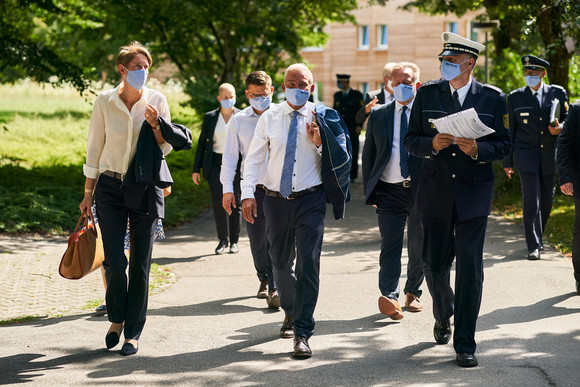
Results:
293 195
261 186
404 183
114 175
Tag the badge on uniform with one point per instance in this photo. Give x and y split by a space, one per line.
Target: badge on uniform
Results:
566 105
506 121
525 120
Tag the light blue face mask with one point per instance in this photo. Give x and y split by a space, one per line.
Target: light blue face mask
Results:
532 80
403 92
450 71
228 103
340 85
297 97
137 78
261 103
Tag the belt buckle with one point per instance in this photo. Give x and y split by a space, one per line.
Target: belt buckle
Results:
406 183
122 176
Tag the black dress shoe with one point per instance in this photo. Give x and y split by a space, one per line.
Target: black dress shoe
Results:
221 247
578 288
287 332
234 249
128 349
466 360
534 255
442 332
112 338
301 347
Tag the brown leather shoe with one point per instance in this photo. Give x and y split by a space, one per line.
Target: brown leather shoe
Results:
301 347
412 303
287 332
263 290
390 307
273 299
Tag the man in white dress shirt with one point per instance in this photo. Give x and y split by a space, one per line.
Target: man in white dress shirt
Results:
287 139
240 132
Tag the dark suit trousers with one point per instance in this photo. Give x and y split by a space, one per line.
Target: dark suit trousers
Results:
446 239
220 215
576 235
355 153
126 298
537 197
295 230
259 242
394 209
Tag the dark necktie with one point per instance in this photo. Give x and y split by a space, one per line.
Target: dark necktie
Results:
537 95
402 151
288 168
456 102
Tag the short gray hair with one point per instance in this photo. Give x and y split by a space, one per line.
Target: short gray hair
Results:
388 69
408 65
301 67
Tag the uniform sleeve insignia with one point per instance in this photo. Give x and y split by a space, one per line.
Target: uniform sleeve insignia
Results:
566 105
506 121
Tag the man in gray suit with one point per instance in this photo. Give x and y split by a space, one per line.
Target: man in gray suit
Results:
390 184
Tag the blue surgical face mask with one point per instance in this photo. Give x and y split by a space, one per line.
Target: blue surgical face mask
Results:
297 97
450 71
228 103
261 103
137 78
403 92
340 85
532 80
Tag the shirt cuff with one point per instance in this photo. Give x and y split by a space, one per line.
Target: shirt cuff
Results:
247 193
91 173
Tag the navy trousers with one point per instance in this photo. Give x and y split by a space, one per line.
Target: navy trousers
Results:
220 215
444 241
259 242
126 298
394 210
295 231
576 235
537 198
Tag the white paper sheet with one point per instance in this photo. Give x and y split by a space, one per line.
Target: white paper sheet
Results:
465 124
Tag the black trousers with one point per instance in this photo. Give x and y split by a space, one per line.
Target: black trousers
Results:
355 150
126 298
257 233
537 198
220 215
576 236
444 241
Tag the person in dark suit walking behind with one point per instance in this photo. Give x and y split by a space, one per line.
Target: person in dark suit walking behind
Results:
208 156
390 184
377 97
569 173
533 153
347 103
456 188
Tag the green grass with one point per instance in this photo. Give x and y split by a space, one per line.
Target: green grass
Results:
43 132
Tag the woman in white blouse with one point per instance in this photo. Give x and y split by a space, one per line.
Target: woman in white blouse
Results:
116 122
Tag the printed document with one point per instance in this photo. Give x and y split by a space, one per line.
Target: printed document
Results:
465 124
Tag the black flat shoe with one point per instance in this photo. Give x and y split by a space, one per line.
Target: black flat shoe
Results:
112 338
442 332
128 349
466 360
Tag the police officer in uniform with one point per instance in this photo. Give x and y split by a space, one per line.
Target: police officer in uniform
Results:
534 140
455 189
348 102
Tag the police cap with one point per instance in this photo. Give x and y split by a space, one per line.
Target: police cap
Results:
454 44
343 77
531 62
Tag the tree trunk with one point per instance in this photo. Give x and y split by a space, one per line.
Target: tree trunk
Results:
550 26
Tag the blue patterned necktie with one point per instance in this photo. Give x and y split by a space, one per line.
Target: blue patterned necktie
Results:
402 151
286 180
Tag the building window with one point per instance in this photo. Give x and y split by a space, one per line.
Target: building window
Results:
364 87
382 36
473 32
452 27
363 41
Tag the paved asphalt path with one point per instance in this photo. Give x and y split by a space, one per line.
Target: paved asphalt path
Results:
209 328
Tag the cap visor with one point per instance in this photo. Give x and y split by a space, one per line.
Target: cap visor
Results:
450 53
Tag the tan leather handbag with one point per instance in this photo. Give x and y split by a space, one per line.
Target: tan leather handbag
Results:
84 253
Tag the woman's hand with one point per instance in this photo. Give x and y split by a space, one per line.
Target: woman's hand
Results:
152 115
87 202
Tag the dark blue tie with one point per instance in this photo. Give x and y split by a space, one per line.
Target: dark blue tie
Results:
288 168
456 102
402 151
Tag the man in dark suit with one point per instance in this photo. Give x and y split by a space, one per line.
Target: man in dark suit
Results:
569 173
377 97
208 156
390 184
534 140
455 189
347 103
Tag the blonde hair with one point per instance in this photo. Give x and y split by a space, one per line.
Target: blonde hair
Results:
388 69
128 52
408 65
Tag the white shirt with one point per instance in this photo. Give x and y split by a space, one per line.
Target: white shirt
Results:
392 172
269 142
114 131
240 132
219 135
388 96
462 91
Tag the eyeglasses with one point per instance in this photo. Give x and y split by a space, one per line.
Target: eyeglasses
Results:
252 96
